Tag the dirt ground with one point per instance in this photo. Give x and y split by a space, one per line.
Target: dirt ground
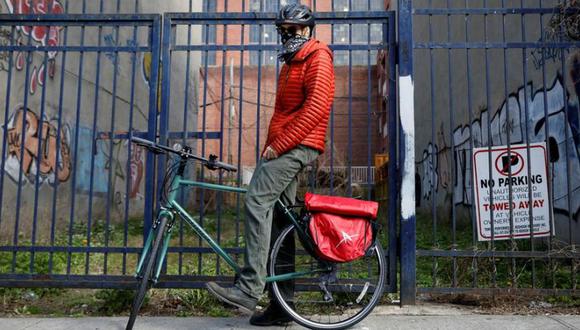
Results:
163 302
511 304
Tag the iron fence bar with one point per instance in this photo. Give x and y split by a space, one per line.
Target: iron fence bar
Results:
204 118
76 143
38 150
261 17
183 139
453 168
259 92
267 21
369 125
392 174
240 124
110 249
548 148
499 254
267 47
94 144
108 282
471 146
22 138
331 120
58 149
170 135
487 11
150 192
39 48
433 154
527 141
568 166
78 19
197 282
513 243
6 116
112 125
349 171
221 140
407 152
129 152
489 146
492 45
499 291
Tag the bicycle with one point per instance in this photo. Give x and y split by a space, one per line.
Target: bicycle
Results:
326 295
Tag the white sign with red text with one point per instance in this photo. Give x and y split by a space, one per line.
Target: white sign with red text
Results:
512 189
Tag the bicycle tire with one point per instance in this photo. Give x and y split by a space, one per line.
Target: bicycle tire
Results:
149 266
298 305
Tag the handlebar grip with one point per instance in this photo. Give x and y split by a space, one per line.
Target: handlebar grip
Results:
227 167
143 142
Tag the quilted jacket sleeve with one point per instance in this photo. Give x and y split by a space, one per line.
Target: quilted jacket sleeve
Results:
319 79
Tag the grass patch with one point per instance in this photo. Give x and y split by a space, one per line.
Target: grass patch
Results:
484 272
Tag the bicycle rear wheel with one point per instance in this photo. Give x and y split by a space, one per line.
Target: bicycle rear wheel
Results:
147 270
334 298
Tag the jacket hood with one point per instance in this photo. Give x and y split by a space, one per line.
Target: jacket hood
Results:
310 47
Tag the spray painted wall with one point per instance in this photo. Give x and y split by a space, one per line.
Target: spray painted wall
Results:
71 110
464 97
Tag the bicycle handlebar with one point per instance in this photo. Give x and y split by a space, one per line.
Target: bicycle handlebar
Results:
212 163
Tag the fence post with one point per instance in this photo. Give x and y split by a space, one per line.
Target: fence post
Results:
407 152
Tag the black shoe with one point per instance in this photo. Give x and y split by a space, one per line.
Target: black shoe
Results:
271 315
233 296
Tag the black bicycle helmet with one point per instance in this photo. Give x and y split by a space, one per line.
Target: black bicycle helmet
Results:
295 14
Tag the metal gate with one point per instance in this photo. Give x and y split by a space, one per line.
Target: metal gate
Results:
212 88
64 145
236 59
491 74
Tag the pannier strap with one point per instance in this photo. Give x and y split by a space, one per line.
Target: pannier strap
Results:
341 205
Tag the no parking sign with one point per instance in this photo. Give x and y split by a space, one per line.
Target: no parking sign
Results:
510 183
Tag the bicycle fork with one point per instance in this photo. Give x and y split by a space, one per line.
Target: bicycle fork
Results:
156 230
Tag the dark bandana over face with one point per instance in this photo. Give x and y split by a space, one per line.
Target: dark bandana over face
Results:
291 45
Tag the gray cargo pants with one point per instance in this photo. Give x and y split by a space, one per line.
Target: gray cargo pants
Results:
272 180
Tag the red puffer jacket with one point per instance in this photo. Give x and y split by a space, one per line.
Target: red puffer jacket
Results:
303 101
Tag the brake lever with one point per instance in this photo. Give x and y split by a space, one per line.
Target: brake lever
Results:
211 164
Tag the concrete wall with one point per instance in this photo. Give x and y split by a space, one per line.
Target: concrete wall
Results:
75 103
444 103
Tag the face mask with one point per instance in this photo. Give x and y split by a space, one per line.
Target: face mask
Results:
287 33
291 43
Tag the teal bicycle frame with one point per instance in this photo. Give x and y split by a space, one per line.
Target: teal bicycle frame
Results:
174 207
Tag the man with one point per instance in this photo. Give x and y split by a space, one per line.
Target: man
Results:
296 137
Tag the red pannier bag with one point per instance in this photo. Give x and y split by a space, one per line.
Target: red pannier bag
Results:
341 228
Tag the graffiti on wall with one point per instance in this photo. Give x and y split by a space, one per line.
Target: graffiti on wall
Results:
43 35
542 115
98 159
136 167
4 54
111 41
91 172
5 37
543 56
44 149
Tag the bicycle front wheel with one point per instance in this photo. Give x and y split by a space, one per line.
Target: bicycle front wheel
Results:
328 296
149 266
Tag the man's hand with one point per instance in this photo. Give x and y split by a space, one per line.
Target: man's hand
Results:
270 153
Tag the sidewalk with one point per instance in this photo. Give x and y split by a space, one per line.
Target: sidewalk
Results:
390 317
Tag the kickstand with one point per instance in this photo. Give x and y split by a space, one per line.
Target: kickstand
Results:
326 279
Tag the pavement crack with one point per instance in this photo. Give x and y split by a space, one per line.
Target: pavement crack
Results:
562 322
